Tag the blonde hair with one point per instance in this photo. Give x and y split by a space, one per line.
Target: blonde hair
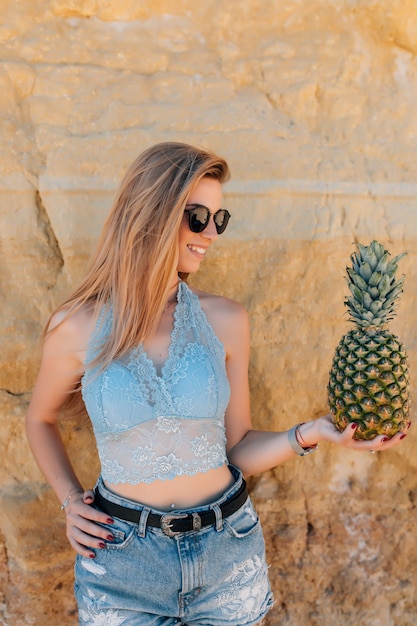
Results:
137 253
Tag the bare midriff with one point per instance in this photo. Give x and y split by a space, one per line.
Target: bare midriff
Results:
182 492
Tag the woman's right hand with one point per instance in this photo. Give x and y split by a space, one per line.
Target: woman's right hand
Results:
83 524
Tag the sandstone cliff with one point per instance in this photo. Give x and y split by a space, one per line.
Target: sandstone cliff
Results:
313 105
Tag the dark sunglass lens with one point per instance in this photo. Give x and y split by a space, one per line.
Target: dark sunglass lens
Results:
221 219
198 219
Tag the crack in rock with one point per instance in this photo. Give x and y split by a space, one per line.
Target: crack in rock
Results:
48 234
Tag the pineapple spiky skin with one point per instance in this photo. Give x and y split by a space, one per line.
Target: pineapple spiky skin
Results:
369 378
369 384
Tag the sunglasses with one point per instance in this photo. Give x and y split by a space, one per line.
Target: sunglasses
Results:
199 217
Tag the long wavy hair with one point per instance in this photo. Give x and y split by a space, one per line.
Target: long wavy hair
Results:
137 253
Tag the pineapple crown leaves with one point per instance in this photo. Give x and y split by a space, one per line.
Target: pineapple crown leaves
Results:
372 283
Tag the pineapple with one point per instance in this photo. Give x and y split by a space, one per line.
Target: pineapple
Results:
369 380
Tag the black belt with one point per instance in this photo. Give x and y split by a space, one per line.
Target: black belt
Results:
171 524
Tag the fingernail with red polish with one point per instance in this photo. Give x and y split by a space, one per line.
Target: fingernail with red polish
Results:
385 439
101 545
109 520
110 538
92 556
403 435
353 426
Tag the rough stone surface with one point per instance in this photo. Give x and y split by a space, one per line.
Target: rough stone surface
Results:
313 104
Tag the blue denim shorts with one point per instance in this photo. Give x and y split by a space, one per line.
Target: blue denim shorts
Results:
215 576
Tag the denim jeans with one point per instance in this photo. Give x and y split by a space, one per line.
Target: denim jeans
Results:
215 576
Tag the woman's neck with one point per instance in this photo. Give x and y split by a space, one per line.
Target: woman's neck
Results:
172 293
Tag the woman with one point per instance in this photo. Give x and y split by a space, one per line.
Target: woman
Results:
169 535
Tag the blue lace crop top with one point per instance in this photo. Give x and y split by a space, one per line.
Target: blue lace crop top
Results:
151 425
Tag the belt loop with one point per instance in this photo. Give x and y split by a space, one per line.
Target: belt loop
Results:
143 521
219 517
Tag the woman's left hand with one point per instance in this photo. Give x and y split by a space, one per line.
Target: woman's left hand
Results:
329 432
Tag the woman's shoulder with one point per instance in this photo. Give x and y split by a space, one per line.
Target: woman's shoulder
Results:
228 317
70 331
65 320
220 305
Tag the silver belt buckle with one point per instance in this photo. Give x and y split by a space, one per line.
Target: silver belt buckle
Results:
166 523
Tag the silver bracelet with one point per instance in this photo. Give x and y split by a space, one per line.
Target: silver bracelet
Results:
292 440
69 496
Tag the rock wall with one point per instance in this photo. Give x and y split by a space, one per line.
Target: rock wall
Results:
313 105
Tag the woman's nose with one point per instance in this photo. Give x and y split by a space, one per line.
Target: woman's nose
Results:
210 231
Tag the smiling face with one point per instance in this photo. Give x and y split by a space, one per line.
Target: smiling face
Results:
193 246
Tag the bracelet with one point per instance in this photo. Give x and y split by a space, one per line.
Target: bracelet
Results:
68 497
301 441
299 436
293 435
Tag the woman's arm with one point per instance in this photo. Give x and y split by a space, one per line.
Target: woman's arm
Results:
255 451
59 373
260 451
